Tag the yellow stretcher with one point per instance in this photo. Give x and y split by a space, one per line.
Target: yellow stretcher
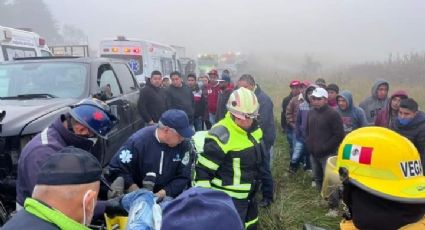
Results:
116 223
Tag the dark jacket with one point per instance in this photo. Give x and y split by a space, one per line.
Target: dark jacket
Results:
181 98
292 110
199 101
36 152
223 97
152 102
415 132
142 153
353 117
25 220
372 105
285 103
324 131
302 116
266 118
387 117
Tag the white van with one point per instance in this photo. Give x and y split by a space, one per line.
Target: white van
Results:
142 56
16 43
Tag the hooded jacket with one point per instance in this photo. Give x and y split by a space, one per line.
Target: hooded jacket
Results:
181 98
372 105
385 117
415 132
266 117
353 117
152 102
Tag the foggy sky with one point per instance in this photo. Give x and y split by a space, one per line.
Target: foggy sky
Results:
339 30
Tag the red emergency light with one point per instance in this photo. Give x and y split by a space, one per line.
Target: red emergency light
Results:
41 42
136 50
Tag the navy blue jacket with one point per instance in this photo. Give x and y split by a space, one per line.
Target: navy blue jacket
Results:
266 117
36 152
25 220
142 153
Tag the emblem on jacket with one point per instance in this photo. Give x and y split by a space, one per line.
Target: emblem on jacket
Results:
186 158
125 156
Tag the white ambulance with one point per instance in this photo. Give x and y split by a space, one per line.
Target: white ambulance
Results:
142 56
16 43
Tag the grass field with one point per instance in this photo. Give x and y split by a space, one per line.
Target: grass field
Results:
296 201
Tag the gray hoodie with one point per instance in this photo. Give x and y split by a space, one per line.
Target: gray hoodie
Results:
353 117
372 104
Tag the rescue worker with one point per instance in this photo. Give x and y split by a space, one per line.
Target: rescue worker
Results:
85 122
234 158
383 184
162 150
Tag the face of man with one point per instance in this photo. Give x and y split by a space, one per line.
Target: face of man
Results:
318 102
176 81
172 138
395 103
223 85
342 103
165 82
246 85
382 91
204 80
244 124
82 131
404 113
213 78
191 82
295 90
332 95
156 80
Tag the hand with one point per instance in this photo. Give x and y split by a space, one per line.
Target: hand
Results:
133 188
114 208
161 194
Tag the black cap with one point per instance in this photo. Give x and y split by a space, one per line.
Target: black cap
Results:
70 166
333 87
409 104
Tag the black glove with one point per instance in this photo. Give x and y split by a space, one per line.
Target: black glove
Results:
114 208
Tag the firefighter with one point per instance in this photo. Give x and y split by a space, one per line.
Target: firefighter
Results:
233 160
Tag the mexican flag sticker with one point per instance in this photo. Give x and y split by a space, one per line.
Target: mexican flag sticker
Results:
360 154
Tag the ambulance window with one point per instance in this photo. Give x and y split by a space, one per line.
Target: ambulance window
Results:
166 65
108 83
45 53
11 52
125 77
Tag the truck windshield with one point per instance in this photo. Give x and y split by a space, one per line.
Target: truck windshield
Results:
42 80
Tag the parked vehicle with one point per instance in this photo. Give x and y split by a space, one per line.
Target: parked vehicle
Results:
36 91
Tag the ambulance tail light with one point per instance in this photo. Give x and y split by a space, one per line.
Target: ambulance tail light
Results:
41 42
114 50
127 50
136 50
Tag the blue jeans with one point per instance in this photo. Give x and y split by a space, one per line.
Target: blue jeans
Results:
318 164
198 123
290 139
212 118
300 155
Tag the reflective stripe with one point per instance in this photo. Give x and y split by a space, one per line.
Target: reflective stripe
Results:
44 139
239 187
236 195
236 171
207 163
203 183
161 162
251 222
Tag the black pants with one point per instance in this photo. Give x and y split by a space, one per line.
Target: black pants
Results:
248 212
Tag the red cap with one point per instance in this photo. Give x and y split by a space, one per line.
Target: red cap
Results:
294 83
306 83
213 71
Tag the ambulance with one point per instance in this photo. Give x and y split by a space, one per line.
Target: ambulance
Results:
142 56
15 43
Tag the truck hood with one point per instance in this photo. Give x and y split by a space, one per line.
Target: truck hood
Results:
21 113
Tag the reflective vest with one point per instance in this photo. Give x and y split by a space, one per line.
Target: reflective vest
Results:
348 225
231 159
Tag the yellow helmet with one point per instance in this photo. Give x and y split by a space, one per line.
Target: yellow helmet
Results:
243 103
382 163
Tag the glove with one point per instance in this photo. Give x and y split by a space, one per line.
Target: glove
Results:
265 202
114 208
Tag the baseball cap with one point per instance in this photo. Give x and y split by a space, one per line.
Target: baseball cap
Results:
70 166
178 120
201 208
295 83
319 93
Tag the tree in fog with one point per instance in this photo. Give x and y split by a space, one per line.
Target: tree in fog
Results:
73 35
310 67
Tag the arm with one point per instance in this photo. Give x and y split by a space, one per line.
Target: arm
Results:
337 130
266 175
267 122
290 113
141 105
182 176
362 118
124 164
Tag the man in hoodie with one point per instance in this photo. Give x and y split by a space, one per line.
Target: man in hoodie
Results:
333 91
152 99
199 101
411 124
373 104
324 133
291 115
387 117
179 96
300 151
163 150
225 90
353 117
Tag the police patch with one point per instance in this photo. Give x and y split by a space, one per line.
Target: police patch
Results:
186 158
125 156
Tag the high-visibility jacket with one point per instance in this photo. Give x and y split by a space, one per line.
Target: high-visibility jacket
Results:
420 224
232 159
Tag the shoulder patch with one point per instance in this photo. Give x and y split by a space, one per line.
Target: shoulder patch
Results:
221 133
